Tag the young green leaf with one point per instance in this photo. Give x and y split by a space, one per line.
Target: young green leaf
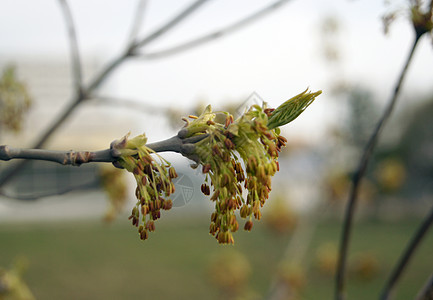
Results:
291 109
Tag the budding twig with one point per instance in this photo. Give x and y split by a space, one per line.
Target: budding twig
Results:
177 144
359 174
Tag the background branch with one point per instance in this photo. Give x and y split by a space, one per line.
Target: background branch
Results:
216 34
170 24
61 191
75 53
359 174
407 255
426 292
138 19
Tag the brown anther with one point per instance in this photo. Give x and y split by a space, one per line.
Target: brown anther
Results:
144 180
213 229
156 214
244 211
231 204
257 215
268 111
229 144
144 209
144 235
205 189
172 173
157 204
216 151
168 204
248 225
210 122
213 217
234 227
150 225
136 171
206 168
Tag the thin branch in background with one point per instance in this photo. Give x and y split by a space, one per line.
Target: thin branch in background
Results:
170 24
359 174
406 256
136 105
75 53
138 20
426 292
61 191
216 34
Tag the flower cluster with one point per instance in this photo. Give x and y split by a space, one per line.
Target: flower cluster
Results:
154 182
239 154
238 157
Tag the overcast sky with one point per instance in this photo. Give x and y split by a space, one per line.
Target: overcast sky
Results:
277 57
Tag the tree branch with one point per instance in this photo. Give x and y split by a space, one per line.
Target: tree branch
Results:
177 143
75 53
359 174
61 191
407 255
170 24
74 158
216 34
138 19
146 107
426 292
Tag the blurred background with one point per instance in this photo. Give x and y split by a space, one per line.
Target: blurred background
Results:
61 244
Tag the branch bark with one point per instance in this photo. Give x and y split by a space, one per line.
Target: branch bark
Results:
359 174
184 146
75 53
406 256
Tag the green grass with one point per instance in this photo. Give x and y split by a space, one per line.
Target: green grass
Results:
90 260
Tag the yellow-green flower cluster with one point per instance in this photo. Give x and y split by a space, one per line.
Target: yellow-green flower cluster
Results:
236 155
154 182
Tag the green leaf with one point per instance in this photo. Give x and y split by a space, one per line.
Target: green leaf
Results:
291 109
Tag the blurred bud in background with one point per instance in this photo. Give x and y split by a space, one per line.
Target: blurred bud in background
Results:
15 100
114 184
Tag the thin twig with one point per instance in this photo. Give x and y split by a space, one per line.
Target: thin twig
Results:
215 34
143 106
138 20
74 158
426 292
61 191
359 174
176 143
406 256
171 24
75 53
